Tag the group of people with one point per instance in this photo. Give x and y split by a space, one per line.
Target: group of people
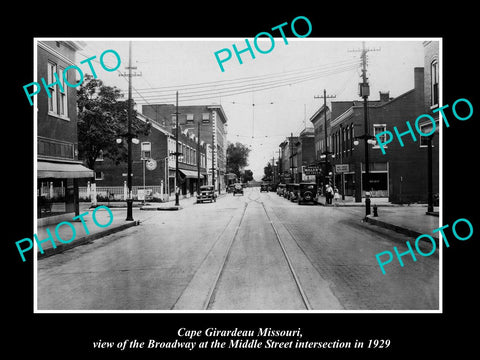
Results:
331 193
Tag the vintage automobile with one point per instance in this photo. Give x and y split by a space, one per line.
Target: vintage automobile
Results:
237 189
230 188
294 192
288 189
264 187
307 193
280 189
207 193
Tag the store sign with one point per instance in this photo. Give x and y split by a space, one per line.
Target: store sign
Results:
311 170
341 168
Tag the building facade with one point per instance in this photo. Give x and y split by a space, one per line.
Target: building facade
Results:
158 181
288 160
304 153
213 131
400 174
58 167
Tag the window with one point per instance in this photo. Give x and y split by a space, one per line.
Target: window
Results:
352 137
189 118
52 100
205 118
434 83
98 175
57 102
377 129
425 128
62 96
100 156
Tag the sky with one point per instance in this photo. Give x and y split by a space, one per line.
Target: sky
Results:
299 70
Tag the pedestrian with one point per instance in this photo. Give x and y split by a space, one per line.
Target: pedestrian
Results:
337 195
328 194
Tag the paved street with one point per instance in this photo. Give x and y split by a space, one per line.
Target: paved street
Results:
252 252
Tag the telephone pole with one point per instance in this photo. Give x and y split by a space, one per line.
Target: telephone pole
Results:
177 182
198 158
364 92
326 152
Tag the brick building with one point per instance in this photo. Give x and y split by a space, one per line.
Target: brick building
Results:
161 181
304 152
213 130
288 160
401 173
58 167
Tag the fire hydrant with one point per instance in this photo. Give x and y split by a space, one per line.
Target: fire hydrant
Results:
375 210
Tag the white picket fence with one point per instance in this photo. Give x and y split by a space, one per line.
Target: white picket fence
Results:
104 193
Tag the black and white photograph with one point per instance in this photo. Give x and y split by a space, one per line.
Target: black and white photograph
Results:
229 183
247 190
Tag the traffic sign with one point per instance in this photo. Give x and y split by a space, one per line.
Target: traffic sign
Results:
341 168
151 164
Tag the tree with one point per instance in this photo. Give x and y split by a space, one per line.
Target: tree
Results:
102 118
268 171
248 176
237 157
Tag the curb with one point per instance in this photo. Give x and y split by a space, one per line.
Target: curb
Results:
85 240
396 228
161 208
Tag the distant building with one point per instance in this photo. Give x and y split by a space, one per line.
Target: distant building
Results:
159 182
58 167
213 130
288 160
304 152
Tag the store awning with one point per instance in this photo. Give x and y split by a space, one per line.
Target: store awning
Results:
189 174
47 169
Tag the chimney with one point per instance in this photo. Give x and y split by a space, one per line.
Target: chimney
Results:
384 96
418 78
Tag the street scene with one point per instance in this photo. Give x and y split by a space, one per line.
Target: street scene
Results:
253 252
269 185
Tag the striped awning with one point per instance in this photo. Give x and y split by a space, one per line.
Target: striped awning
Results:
46 169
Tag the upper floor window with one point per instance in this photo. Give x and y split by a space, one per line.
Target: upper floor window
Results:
434 83
57 102
205 117
189 118
377 129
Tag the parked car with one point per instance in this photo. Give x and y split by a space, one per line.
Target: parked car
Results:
294 192
230 188
307 192
272 187
207 193
288 190
280 189
263 187
237 189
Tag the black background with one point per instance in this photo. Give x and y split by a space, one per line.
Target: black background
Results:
411 334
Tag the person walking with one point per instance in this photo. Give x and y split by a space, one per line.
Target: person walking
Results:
329 194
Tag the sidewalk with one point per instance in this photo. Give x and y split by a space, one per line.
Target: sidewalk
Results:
411 220
92 232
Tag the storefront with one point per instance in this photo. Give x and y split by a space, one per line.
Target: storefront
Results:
57 187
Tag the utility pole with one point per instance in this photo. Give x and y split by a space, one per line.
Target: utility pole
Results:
364 92
129 137
291 156
198 158
326 152
177 180
213 162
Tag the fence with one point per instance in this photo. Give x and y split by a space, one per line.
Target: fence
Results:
110 193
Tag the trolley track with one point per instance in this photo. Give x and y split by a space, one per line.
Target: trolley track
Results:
251 198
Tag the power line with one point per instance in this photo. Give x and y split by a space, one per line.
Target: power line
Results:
184 87
213 93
